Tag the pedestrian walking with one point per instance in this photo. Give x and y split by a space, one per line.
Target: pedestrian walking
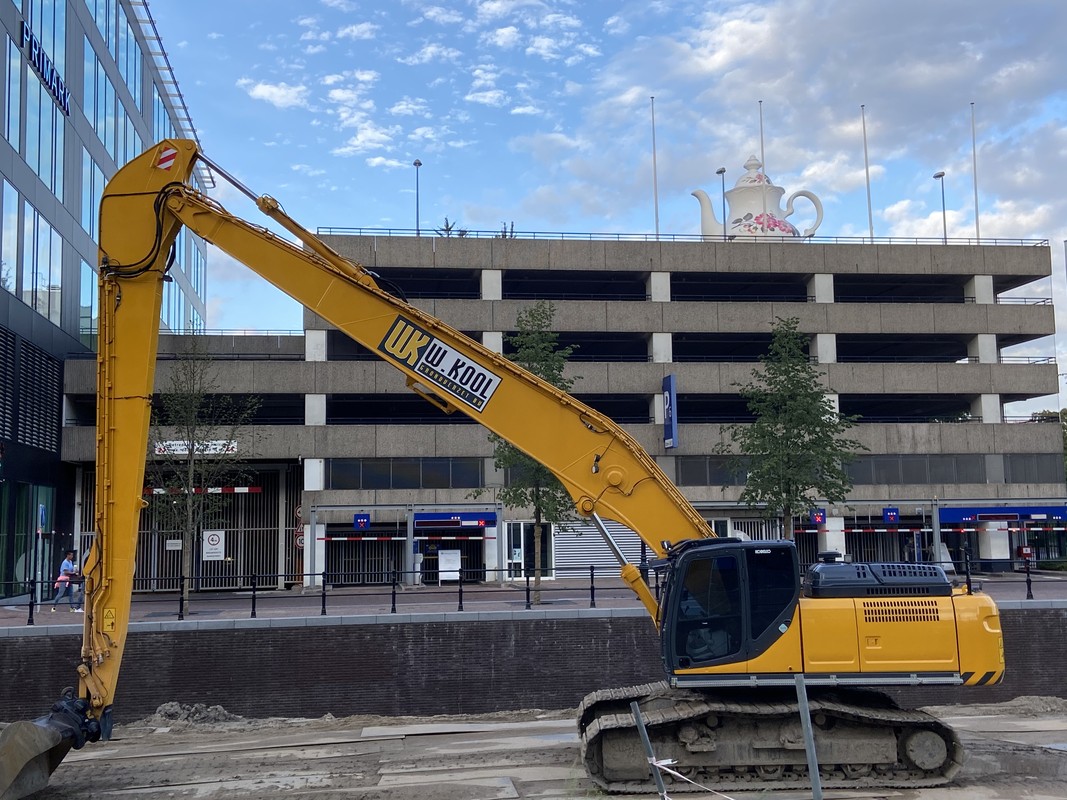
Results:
64 582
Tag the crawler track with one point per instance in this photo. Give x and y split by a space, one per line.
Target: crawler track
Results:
741 739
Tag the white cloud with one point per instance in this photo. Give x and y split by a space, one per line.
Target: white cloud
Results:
369 136
313 49
340 5
307 22
279 95
544 46
495 9
362 30
616 26
491 97
484 76
388 163
560 21
410 106
424 134
307 169
504 38
315 36
214 35
431 52
344 96
365 77
581 53
527 110
442 16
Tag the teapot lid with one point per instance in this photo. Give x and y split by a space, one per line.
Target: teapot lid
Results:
754 177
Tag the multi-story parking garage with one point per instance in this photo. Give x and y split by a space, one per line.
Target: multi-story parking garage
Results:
914 339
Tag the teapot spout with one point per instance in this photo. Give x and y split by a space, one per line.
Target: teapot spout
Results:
709 224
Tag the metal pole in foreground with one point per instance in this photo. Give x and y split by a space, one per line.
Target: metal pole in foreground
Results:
648 750
809 737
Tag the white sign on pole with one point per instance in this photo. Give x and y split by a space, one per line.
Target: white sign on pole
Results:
172 544
448 565
214 548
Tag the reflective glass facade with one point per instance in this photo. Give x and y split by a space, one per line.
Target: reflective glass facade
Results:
81 94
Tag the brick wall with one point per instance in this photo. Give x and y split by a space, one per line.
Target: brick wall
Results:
427 667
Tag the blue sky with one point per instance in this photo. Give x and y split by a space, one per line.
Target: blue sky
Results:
537 113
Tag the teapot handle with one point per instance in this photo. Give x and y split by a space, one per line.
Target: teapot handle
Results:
818 210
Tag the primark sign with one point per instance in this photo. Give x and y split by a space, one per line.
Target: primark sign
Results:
44 68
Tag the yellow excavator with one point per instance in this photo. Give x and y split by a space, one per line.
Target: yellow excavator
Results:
738 620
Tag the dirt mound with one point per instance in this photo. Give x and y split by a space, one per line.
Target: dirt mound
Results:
196 714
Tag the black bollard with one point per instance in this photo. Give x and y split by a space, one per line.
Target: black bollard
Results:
323 613
33 600
181 596
253 595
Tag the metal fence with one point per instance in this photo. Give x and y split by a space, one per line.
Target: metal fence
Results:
590 588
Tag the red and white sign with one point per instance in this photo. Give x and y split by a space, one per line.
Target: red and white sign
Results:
300 540
166 158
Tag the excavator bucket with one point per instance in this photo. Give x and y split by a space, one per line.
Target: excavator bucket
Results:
31 751
29 754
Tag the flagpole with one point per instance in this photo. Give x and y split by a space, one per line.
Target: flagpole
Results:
867 171
655 177
974 160
763 164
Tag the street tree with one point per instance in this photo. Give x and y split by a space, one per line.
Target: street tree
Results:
795 451
192 447
527 483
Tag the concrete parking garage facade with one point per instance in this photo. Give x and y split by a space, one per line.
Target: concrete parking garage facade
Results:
913 338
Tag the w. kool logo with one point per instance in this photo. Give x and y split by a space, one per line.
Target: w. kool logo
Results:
455 373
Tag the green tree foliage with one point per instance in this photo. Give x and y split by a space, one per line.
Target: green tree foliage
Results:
529 484
192 446
796 451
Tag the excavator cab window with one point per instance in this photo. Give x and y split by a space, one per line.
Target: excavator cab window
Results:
728 603
709 609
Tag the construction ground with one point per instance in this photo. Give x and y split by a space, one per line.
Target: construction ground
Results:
1015 750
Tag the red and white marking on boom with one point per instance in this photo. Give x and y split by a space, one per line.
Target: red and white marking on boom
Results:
166 158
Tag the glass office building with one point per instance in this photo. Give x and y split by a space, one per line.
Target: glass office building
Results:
85 86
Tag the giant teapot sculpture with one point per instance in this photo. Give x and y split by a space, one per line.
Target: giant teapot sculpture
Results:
754 208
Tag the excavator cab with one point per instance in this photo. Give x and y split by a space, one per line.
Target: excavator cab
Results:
727 601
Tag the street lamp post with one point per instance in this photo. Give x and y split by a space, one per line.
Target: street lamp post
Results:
721 172
416 164
940 176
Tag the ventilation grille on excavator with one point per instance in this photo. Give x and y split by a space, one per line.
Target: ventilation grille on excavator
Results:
900 611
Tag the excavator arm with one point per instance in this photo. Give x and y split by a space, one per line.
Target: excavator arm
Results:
606 472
